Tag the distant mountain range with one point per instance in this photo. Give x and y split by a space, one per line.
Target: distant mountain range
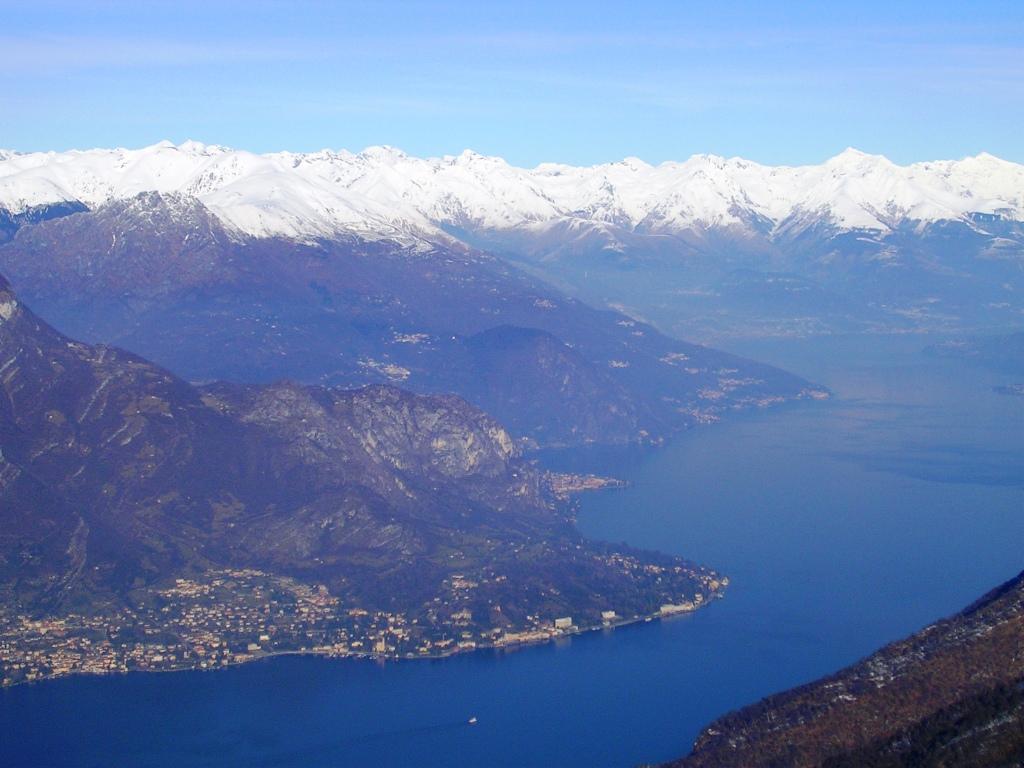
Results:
712 246
951 695
384 192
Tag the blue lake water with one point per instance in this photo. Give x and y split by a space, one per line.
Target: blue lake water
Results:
842 525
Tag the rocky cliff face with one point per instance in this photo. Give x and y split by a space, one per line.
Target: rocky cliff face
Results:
950 695
142 455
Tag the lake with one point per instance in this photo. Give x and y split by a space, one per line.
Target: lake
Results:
842 525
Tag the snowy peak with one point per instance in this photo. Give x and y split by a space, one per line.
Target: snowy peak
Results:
383 192
851 157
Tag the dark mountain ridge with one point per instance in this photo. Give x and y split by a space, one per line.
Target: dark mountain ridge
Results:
159 274
950 695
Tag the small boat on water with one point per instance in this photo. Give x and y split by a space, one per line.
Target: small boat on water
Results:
471 721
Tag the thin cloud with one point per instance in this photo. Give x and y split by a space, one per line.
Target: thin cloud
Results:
64 53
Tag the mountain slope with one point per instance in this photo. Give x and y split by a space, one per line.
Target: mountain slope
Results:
163 276
119 480
949 695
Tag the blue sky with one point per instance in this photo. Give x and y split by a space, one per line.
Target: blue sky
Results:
570 82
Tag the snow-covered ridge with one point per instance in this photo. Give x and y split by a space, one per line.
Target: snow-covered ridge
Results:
384 192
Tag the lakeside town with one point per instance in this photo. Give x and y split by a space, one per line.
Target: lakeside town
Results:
233 616
228 616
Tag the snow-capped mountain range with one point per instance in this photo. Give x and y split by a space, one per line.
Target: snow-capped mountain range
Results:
383 192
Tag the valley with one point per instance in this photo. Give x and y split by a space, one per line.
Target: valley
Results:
446 384
313 414
842 525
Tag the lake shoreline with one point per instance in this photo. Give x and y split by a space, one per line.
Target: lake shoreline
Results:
830 556
553 637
